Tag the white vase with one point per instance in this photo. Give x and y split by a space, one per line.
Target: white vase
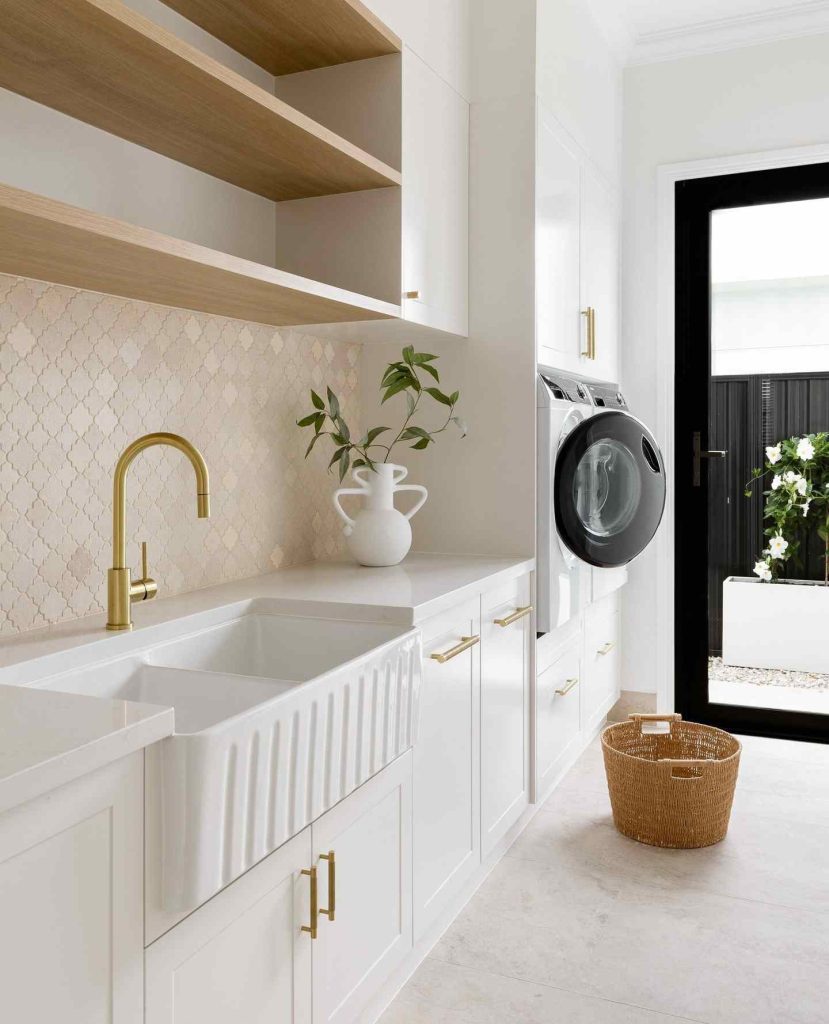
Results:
379 534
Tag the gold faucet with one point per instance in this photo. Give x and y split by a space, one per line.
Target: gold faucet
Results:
121 589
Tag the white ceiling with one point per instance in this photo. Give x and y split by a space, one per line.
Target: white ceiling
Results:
650 30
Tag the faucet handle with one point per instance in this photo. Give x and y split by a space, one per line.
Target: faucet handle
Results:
147 588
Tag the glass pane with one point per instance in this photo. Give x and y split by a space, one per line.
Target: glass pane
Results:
607 486
769 390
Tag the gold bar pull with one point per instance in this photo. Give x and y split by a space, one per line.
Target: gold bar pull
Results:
411 295
312 928
569 684
606 648
519 613
453 652
332 885
590 313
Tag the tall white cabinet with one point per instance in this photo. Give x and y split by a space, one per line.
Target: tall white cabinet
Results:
577 258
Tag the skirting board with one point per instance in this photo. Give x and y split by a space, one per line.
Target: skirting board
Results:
383 999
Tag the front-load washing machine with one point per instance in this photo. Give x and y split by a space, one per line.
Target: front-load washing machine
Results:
601 488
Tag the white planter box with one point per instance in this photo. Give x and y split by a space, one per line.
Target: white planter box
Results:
775 625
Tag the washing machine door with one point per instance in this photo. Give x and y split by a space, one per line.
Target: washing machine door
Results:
609 489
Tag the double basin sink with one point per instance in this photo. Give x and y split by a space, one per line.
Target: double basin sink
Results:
277 718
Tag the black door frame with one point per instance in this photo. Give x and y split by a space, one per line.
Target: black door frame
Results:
696 198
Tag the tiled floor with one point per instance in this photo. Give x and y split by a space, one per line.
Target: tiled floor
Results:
578 925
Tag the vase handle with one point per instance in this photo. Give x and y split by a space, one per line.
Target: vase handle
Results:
419 504
335 497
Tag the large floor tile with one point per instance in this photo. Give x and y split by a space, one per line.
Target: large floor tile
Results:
442 993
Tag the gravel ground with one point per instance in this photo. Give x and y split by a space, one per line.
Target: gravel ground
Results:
766 676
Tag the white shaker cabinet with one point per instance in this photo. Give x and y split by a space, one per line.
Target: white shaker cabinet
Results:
71 889
577 259
242 956
369 881
435 200
601 663
506 619
557 714
446 763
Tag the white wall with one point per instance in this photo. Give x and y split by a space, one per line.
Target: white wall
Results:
748 100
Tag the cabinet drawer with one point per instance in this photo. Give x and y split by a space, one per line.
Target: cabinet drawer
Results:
558 699
601 660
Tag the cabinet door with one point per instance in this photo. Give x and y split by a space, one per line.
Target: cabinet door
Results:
600 262
601 660
446 764
505 650
557 230
242 956
71 895
369 883
557 698
435 199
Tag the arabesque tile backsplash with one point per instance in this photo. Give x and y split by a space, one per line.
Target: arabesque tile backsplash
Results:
82 375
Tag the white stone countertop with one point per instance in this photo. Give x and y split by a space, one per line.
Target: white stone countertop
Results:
49 738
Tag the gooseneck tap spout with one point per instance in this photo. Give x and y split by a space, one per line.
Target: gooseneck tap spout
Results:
121 589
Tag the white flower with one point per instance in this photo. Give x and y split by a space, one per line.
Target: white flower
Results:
805 449
805 507
761 569
790 477
777 546
802 486
776 482
773 454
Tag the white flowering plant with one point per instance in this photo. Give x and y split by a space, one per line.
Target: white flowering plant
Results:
797 501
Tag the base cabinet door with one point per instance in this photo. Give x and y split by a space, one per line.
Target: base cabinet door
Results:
242 956
557 726
446 763
601 664
71 896
362 853
506 618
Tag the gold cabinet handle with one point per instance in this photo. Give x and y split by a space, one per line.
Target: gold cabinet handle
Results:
569 684
519 613
332 885
590 313
312 927
606 648
453 652
414 294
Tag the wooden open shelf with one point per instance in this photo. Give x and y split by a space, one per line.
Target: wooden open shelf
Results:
51 241
102 63
284 36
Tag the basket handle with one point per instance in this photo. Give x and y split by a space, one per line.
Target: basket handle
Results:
678 762
670 718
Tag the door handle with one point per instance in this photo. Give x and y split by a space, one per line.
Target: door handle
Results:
519 613
332 885
453 652
590 313
311 928
700 454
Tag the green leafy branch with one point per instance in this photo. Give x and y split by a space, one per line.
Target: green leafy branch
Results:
400 377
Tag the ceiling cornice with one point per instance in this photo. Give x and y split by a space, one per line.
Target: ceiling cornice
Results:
730 33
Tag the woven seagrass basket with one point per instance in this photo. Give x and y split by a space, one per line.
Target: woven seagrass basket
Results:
674 788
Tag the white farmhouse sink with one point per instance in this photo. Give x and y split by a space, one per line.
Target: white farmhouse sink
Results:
277 718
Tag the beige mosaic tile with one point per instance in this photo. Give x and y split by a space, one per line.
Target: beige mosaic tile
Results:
82 375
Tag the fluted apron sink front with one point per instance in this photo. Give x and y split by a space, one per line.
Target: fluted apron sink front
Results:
277 718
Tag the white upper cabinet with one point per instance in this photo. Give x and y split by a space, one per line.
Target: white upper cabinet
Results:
557 240
435 200
577 260
599 256
71 892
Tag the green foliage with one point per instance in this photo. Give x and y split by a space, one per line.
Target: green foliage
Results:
797 500
401 377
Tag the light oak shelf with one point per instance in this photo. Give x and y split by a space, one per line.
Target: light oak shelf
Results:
102 63
52 241
285 36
